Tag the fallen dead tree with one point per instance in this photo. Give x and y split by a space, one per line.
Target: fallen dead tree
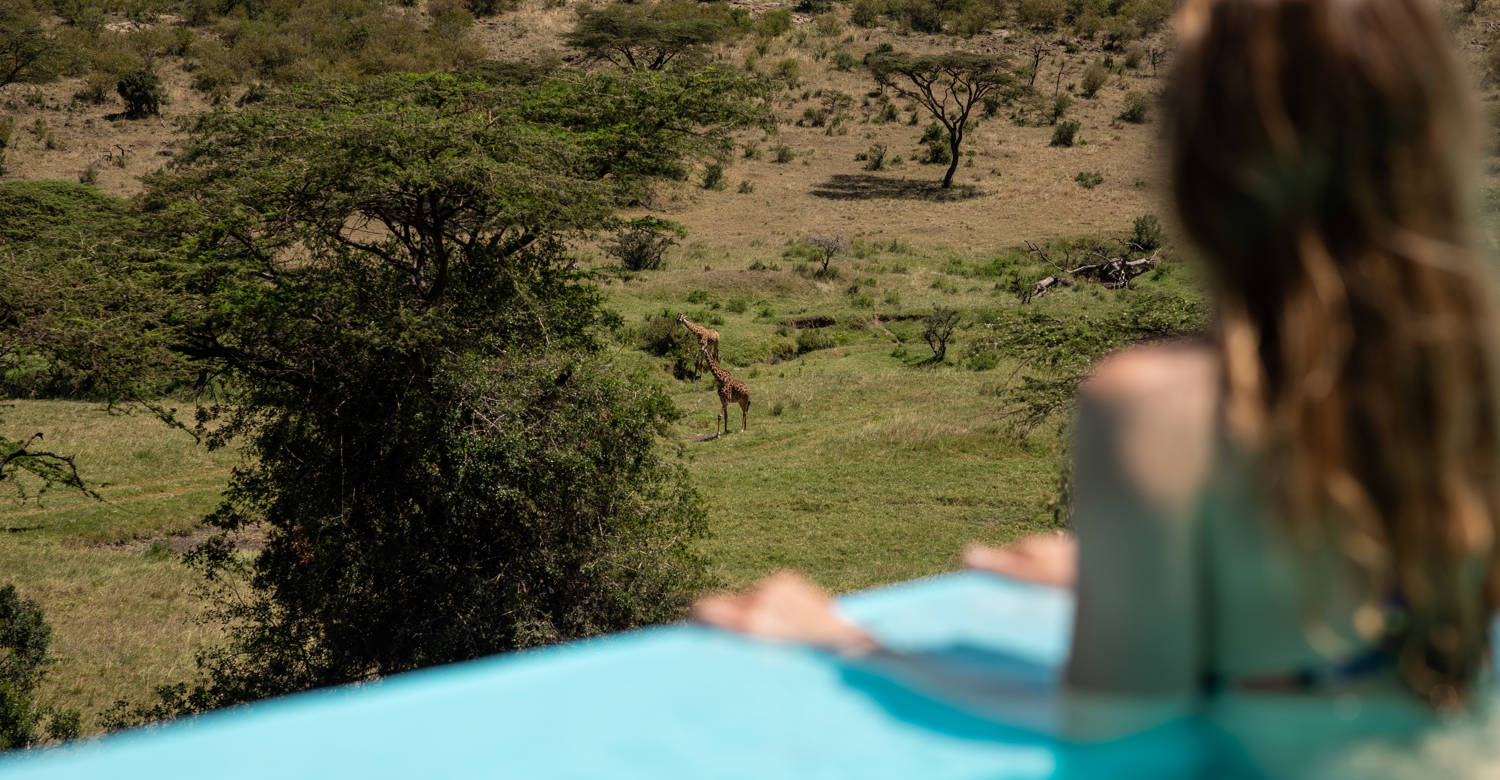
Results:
1112 272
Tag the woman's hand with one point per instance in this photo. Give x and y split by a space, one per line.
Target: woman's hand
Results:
1048 559
785 607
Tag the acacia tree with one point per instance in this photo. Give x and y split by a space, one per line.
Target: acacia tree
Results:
443 462
949 86
647 37
28 54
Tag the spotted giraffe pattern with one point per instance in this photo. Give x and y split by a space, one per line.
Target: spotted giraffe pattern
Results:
730 390
707 337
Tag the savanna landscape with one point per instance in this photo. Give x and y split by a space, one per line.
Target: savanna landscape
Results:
341 337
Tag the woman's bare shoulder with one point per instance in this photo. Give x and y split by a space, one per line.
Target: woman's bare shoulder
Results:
1160 402
1151 371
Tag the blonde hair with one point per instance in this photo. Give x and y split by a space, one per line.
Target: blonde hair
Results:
1317 159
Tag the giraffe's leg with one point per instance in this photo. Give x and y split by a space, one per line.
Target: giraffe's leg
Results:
724 409
744 415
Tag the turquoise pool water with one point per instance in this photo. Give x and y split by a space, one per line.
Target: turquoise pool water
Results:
670 702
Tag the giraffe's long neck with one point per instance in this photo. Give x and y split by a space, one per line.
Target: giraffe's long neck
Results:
721 377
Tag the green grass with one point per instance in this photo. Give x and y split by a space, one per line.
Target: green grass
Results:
124 615
861 465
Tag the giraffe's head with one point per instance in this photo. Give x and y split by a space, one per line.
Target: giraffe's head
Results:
682 319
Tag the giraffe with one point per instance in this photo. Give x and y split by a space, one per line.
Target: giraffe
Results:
730 389
707 337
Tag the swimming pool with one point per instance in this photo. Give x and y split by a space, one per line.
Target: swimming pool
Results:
670 702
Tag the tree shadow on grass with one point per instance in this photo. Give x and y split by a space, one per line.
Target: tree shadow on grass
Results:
863 186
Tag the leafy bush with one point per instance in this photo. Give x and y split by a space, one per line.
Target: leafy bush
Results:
1146 232
813 339
1089 180
789 70
784 154
29 54
1060 105
141 90
875 158
663 337
1040 14
643 242
1064 134
844 61
923 16
1137 107
1094 77
866 13
774 23
1147 15
713 176
25 639
935 146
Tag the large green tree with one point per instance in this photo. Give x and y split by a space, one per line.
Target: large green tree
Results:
80 315
948 86
649 36
442 461
28 52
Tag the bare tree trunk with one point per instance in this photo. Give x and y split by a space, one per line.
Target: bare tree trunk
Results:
953 143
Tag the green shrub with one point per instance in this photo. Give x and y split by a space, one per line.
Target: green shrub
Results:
789 71
1064 134
746 187
1061 102
844 61
1089 180
774 23
923 16
1146 232
25 639
1147 15
1094 77
713 176
142 93
813 339
975 18
662 336
1041 14
1137 107
875 158
866 13
784 154
827 25
642 243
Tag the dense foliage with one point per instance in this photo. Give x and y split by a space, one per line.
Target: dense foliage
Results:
25 639
442 463
650 36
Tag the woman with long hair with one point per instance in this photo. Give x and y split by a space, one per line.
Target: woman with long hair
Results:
1304 505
